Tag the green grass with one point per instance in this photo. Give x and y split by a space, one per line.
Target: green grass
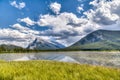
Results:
48 70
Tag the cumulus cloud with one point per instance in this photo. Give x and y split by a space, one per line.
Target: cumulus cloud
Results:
55 7
28 21
66 26
10 36
20 5
105 12
24 29
18 35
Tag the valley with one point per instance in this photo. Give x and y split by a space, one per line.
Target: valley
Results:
60 40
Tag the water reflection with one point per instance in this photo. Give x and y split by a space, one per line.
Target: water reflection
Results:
94 58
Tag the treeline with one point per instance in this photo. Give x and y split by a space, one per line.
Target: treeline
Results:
23 50
4 49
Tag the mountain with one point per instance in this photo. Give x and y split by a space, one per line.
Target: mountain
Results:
98 40
43 44
9 47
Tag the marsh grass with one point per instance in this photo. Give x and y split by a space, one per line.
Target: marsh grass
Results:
50 70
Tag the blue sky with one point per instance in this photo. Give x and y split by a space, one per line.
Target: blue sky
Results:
64 21
33 9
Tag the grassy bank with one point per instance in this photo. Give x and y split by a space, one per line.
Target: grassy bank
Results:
38 51
47 70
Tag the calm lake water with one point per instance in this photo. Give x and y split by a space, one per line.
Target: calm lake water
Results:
111 59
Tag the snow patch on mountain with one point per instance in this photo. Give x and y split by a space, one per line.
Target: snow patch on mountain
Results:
44 44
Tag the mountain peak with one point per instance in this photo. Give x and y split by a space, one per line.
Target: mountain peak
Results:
44 44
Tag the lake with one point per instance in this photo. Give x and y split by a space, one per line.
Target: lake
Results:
111 59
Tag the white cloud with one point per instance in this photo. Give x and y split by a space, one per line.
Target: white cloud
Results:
81 0
65 26
18 35
10 36
6 33
55 7
68 28
20 5
28 21
105 12
24 29
80 8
